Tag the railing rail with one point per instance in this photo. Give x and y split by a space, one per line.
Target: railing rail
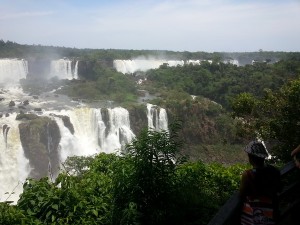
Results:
228 213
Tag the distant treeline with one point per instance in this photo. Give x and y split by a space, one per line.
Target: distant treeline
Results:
10 49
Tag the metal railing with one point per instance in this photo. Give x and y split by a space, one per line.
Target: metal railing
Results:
228 214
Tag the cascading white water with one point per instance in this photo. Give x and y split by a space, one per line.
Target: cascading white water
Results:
131 66
12 70
95 130
157 118
76 71
163 120
14 167
193 62
62 68
119 132
92 134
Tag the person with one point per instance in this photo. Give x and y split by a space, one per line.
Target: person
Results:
259 188
296 155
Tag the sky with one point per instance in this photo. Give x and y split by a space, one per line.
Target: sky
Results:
177 25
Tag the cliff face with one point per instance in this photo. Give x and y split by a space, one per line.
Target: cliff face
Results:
138 119
197 127
203 122
40 138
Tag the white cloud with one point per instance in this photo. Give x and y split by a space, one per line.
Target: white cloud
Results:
21 15
191 25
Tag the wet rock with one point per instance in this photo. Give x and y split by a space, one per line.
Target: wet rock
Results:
11 104
67 122
7 114
40 139
1 99
37 109
21 107
29 116
26 102
138 118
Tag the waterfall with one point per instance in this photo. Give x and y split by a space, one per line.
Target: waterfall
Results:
62 68
14 167
95 130
69 144
93 133
157 118
163 120
134 65
131 66
12 70
193 62
76 70
119 133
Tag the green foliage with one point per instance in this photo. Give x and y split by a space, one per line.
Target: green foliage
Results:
77 165
202 189
84 199
275 117
150 184
105 84
153 158
12 215
221 82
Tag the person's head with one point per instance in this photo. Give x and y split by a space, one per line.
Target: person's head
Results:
257 153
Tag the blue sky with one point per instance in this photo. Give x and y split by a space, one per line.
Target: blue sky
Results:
179 25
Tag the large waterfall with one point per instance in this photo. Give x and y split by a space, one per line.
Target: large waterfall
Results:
12 70
134 65
64 69
131 66
95 130
36 145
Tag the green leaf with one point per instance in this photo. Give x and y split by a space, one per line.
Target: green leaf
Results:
48 214
95 212
53 218
29 212
55 206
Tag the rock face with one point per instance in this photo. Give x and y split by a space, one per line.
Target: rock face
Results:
40 139
105 118
67 123
138 119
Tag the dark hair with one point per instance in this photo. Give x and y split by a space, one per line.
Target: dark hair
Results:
256 160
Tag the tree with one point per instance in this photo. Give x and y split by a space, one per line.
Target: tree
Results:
275 117
153 157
